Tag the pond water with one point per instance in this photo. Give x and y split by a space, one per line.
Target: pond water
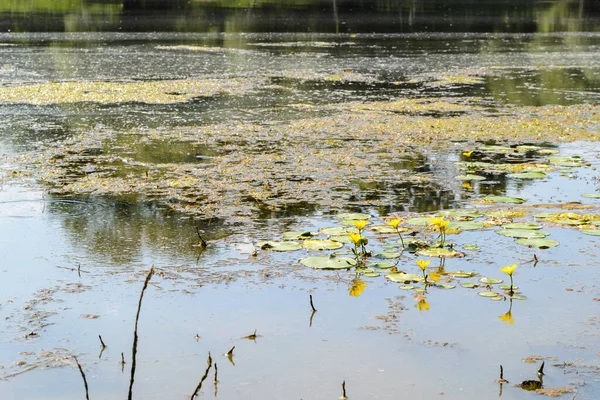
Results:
120 150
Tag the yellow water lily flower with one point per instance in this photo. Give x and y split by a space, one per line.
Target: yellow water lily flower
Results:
508 318
467 186
395 222
434 277
467 153
355 237
440 222
360 224
358 286
509 269
423 264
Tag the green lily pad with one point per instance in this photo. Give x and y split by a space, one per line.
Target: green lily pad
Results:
496 298
492 148
342 239
518 297
463 274
321 244
490 281
461 214
522 225
505 214
591 195
505 199
353 216
420 290
350 223
470 177
439 252
523 233
419 221
593 232
387 255
547 151
406 287
538 243
471 247
469 285
507 287
528 175
569 221
566 161
527 147
488 294
381 264
327 262
445 286
338 230
279 246
544 215
297 235
371 274
465 225
386 229
401 277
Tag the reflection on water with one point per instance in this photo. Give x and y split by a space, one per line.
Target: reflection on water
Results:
299 16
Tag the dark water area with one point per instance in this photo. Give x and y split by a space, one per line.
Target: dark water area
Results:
319 16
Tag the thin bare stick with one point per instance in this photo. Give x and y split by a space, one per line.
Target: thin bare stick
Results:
344 397
215 379
230 356
312 305
135 334
209 362
87 395
102 341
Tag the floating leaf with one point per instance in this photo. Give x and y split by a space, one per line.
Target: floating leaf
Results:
522 225
470 177
445 286
471 247
463 274
465 225
504 199
279 246
488 294
528 175
419 221
469 285
461 214
338 230
386 229
439 252
405 278
522 233
420 290
326 262
548 151
507 287
353 216
371 274
538 243
381 264
490 281
593 232
342 239
505 214
566 161
544 215
321 244
299 235
386 255
518 297
591 195
406 287
497 298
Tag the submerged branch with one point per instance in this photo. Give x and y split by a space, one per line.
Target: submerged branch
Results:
87 395
209 362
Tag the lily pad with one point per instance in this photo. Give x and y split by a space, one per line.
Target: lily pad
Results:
279 246
419 221
522 233
387 255
381 264
488 294
404 278
463 274
297 235
569 221
593 232
505 199
371 274
490 281
470 177
342 239
439 252
507 287
338 230
505 214
461 214
321 244
386 229
591 195
469 285
522 225
406 287
465 225
326 262
538 243
528 175
445 286
518 297
471 247
353 216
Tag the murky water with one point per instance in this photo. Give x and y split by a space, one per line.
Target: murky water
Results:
288 129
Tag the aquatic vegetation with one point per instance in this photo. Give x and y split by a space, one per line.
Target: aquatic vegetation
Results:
423 265
395 223
440 224
358 287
